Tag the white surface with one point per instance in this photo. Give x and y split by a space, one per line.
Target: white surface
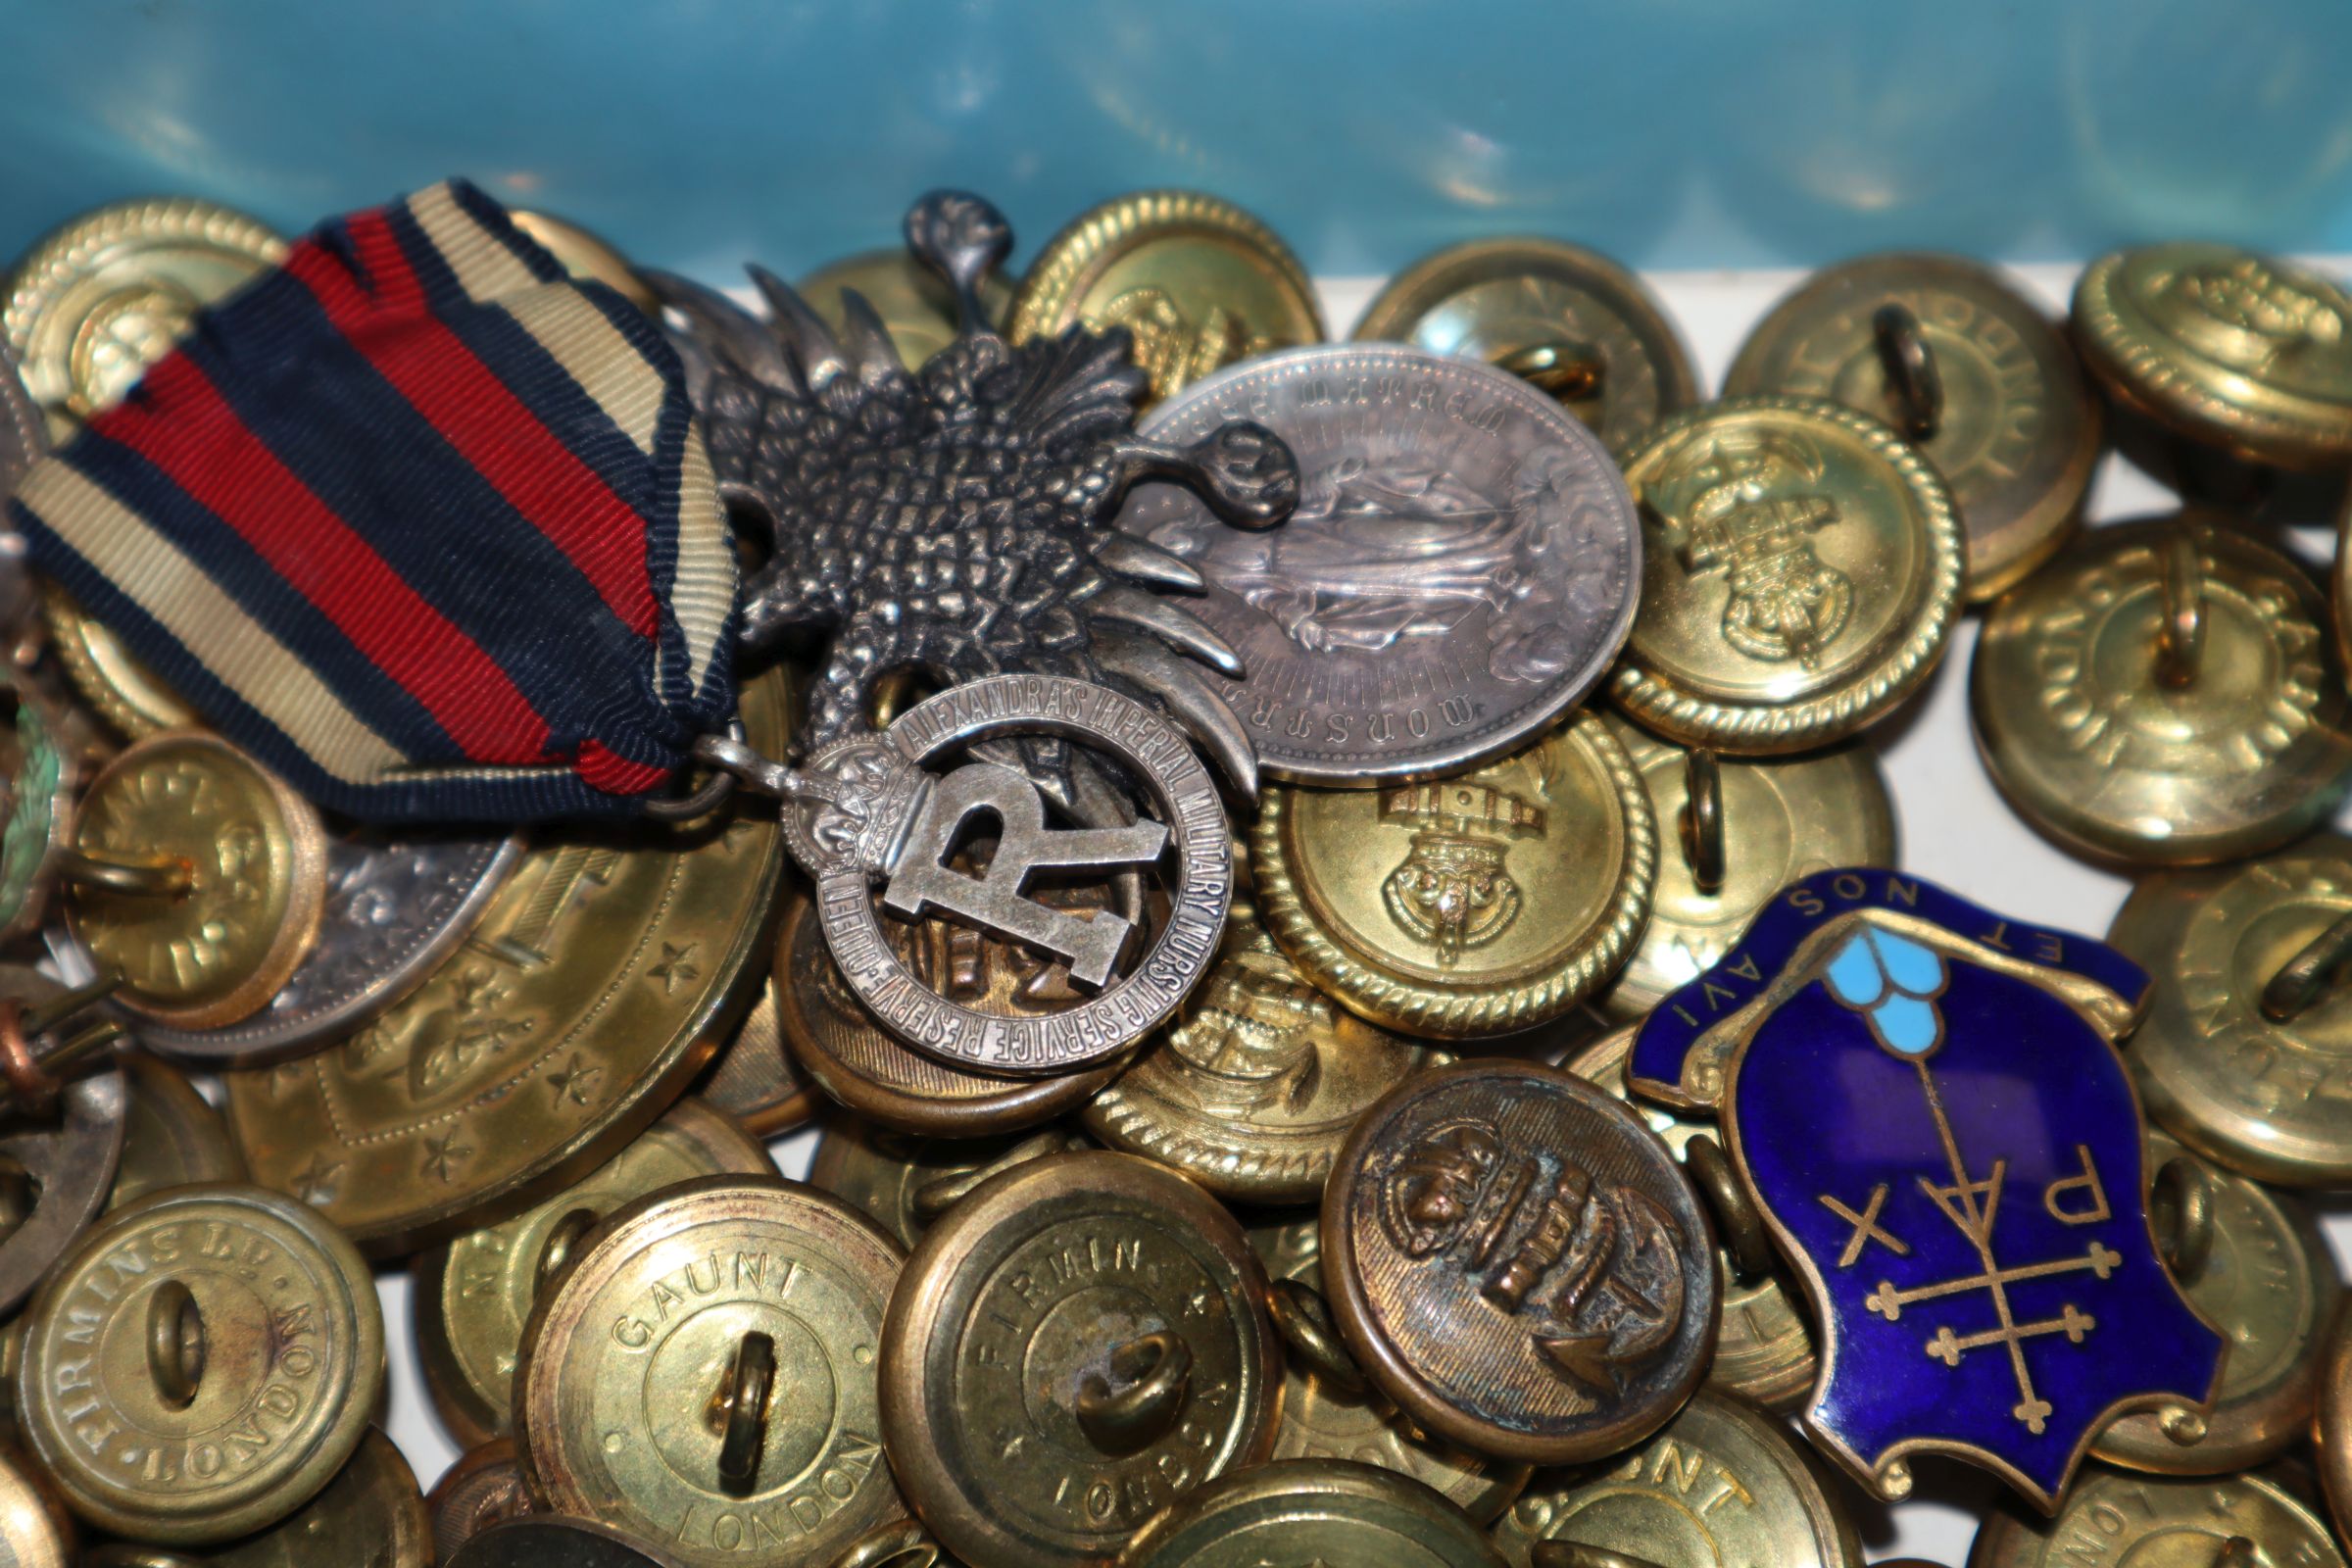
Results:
1955 830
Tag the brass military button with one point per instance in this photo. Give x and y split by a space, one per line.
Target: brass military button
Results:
171 1135
2244 1069
1311 1511
1464 1257
901 1543
1720 1487
1252 1089
370 1514
587 256
1469 906
865 1067
550 1542
1764 1344
2111 1518
34 1532
2333 1430
590 994
1800 574
915 306
256 860
481 1489
1568 319
1738 830
754 1079
2260 1270
120 689
1197 282
903 1183
2164 692
100 299
1965 367
2229 348
200 1364
1077 1344
1323 1419
702 1373
471 1297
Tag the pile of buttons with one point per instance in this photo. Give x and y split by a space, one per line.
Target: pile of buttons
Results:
1563 1134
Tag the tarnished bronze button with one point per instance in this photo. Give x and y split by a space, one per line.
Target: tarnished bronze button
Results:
1327 1512
2263 1274
1964 366
1322 1419
1195 281
2229 348
552 1541
1763 1346
867 1068
754 1079
591 993
171 1135
1720 1487
1252 1089
2111 1519
1077 1344
370 1514
483 1488
703 1373
1736 831
34 1532
201 1364
256 858
471 1297
914 305
2260 1093
903 1183
587 256
2164 692
1800 574
1463 1256
1566 319
1469 906
57 1171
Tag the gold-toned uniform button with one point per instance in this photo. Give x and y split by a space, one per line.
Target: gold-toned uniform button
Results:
201 1364
1195 281
100 299
1736 831
1801 575
587 256
255 856
1251 1091
868 1070
120 689
2112 1518
1966 369
2164 692
1077 1344
482 1487
1764 1346
702 1374
903 1183
2258 1266
553 1542
370 1514
591 993
1468 906
914 304
471 1297
1311 1511
2228 348
171 1135
34 1530
1461 1261
1324 1419
2248 1068
1720 1487
754 1079
1568 319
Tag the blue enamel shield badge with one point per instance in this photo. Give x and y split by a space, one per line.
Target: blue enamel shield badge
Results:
1928 1106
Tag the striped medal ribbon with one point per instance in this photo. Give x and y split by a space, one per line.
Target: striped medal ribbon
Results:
421 522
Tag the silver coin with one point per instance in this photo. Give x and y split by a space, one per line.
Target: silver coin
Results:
1461 570
394 908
